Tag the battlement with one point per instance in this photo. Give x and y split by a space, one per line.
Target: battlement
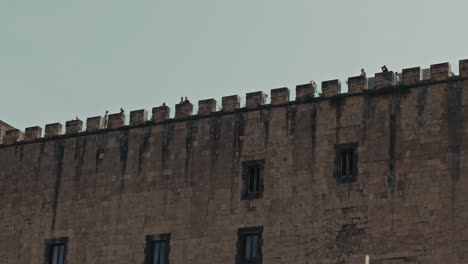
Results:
381 82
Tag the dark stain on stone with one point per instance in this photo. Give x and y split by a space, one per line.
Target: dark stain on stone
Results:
144 147
168 134
59 153
394 114
190 133
123 158
421 98
101 141
291 111
215 125
19 151
80 149
349 237
265 119
39 162
313 135
239 129
454 109
368 113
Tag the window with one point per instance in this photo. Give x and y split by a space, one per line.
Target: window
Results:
56 250
157 249
249 245
252 178
346 162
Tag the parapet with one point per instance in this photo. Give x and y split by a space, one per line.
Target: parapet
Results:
357 84
331 88
279 96
230 103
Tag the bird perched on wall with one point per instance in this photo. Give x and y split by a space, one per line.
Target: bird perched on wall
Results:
384 68
164 104
186 99
121 110
181 99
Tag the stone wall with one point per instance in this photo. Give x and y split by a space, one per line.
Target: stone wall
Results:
106 189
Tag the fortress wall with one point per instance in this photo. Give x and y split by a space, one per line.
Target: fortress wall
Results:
107 189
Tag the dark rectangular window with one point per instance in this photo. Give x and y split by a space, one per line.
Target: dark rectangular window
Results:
249 245
157 249
346 162
252 178
56 250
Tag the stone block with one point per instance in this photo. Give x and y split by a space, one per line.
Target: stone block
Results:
13 135
463 64
138 117
160 113
441 71
32 133
357 84
116 120
305 91
53 130
94 123
255 99
384 80
279 96
358 259
184 109
206 107
73 126
230 103
411 75
331 88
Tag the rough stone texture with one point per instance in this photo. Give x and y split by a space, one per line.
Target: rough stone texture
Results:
206 107
106 191
412 75
94 123
279 96
331 88
184 109
52 130
13 135
384 80
305 92
73 126
3 129
32 133
160 113
230 103
116 120
440 71
138 117
255 100
357 84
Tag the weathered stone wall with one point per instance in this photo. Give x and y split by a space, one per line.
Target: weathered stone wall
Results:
106 189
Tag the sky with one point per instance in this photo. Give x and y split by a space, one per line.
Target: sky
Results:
65 59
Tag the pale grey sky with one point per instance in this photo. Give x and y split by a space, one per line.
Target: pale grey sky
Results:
60 59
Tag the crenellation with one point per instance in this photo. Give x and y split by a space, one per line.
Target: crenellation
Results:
255 99
94 123
463 66
230 103
411 76
441 71
73 126
160 113
384 80
305 91
116 120
138 117
184 109
357 84
13 135
53 130
32 133
206 107
331 88
279 96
